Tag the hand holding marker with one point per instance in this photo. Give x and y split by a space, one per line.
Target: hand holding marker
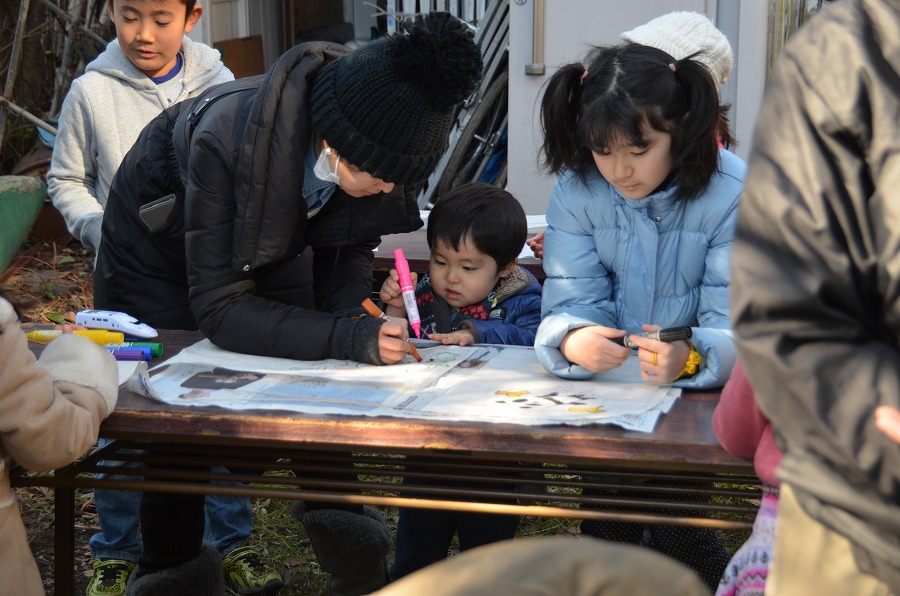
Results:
408 291
667 335
377 313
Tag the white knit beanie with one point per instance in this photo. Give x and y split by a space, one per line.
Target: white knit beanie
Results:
682 33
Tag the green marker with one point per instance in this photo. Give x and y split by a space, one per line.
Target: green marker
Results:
156 348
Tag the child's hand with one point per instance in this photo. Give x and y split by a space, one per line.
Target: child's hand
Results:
591 348
887 419
391 296
70 327
463 337
661 361
536 245
392 341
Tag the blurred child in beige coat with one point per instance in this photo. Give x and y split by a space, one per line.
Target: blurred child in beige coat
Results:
50 413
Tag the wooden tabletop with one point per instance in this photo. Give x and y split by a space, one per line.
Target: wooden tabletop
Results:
684 438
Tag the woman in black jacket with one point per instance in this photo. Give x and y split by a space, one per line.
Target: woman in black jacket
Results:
251 213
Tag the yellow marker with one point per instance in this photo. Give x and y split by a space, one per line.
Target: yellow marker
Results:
98 336
511 393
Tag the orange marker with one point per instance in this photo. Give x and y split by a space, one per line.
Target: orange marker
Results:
377 313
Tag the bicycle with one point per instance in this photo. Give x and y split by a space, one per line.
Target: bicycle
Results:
480 139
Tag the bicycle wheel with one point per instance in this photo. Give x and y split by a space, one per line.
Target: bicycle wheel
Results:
478 139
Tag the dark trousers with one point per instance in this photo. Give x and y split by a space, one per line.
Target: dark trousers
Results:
425 535
173 523
172 527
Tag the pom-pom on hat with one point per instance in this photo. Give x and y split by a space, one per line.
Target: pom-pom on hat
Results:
683 33
387 107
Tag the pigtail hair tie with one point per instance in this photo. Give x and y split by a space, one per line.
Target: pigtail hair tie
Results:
672 66
583 76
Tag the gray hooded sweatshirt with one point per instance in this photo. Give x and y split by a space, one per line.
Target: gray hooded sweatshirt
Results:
103 113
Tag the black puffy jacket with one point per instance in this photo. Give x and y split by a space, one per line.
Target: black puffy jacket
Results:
226 260
815 292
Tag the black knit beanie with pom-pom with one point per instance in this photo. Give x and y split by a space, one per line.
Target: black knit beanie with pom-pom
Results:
387 107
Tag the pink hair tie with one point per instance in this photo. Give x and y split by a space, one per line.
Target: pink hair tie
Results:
584 76
672 66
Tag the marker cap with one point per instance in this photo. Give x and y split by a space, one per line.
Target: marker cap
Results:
402 266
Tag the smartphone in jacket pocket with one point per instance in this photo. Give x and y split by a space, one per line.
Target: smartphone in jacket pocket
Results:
155 213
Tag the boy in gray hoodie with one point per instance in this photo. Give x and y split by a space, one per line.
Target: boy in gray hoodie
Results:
148 67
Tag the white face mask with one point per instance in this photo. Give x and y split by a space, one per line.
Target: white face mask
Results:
322 169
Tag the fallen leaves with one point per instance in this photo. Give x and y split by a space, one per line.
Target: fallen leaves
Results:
49 281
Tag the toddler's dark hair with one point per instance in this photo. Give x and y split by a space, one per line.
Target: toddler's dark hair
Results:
622 89
490 217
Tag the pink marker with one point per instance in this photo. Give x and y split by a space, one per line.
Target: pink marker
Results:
408 291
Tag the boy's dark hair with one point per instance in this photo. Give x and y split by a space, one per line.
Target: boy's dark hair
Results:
188 4
491 217
622 88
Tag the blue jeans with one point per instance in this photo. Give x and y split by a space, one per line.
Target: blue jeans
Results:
228 520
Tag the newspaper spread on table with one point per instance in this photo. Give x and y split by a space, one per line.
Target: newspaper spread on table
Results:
485 383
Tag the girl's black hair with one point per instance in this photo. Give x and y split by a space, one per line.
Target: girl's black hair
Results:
490 216
620 90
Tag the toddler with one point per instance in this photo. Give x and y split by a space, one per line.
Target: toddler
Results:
474 292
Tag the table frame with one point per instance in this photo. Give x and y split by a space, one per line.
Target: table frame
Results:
531 470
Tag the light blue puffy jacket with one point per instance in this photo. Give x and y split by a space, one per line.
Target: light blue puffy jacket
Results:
622 262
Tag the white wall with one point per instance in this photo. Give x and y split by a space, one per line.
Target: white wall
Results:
571 26
230 19
266 19
750 77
